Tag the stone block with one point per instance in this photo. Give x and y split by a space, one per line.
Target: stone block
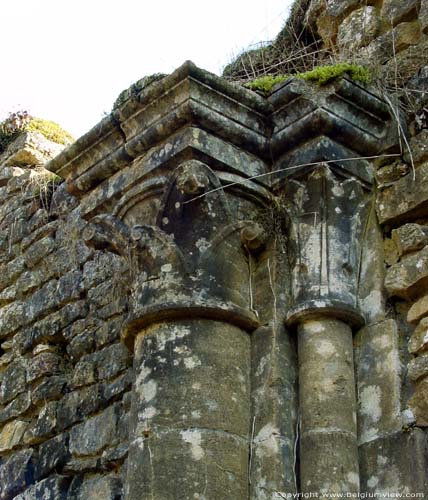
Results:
100 488
118 386
95 434
38 251
418 403
12 434
410 237
418 367
52 488
395 464
378 380
45 363
12 316
14 380
16 407
194 465
274 394
423 15
388 174
102 365
419 147
30 148
397 11
103 266
390 251
45 425
358 29
418 342
418 310
16 473
409 277
48 389
50 327
52 455
77 405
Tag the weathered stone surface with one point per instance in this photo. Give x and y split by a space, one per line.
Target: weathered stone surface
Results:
77 405
49 388
12 434
12 316
397 11
395 463
16 407
388 174
378 380
49 328
52 455
371 294
419 339
327 406
102 266
30 148
418 310
193 468
423 15
419 147
62 201
102 365
358 29
14 380
52 488
45 363
410 237
95 434
118 386
390 251
100 488
418 403
409 277
274 393
16 473
45 425
39 250
418 368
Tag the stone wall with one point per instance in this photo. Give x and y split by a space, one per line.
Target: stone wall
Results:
65 375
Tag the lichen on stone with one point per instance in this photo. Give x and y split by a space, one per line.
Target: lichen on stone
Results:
136 87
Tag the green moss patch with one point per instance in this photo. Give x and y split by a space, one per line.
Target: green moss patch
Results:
51 130
21 121
321 75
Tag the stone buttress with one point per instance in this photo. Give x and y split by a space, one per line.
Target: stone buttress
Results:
247 227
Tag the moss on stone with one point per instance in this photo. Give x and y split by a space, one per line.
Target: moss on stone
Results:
320 75
325 74
51 130
265 83
19 122
137 87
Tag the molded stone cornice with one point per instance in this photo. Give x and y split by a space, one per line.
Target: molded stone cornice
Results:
342 123
188 97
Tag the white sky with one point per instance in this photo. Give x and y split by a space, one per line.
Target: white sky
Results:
67 60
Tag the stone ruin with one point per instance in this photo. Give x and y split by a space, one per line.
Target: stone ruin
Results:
217 302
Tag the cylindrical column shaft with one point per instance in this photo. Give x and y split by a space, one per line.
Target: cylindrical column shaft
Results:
328 441
190 412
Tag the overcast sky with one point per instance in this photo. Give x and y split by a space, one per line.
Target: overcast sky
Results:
68 60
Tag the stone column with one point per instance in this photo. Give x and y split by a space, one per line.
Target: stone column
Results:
328 217
328 439
189 323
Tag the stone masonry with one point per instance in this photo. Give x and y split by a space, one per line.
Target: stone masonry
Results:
198 311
